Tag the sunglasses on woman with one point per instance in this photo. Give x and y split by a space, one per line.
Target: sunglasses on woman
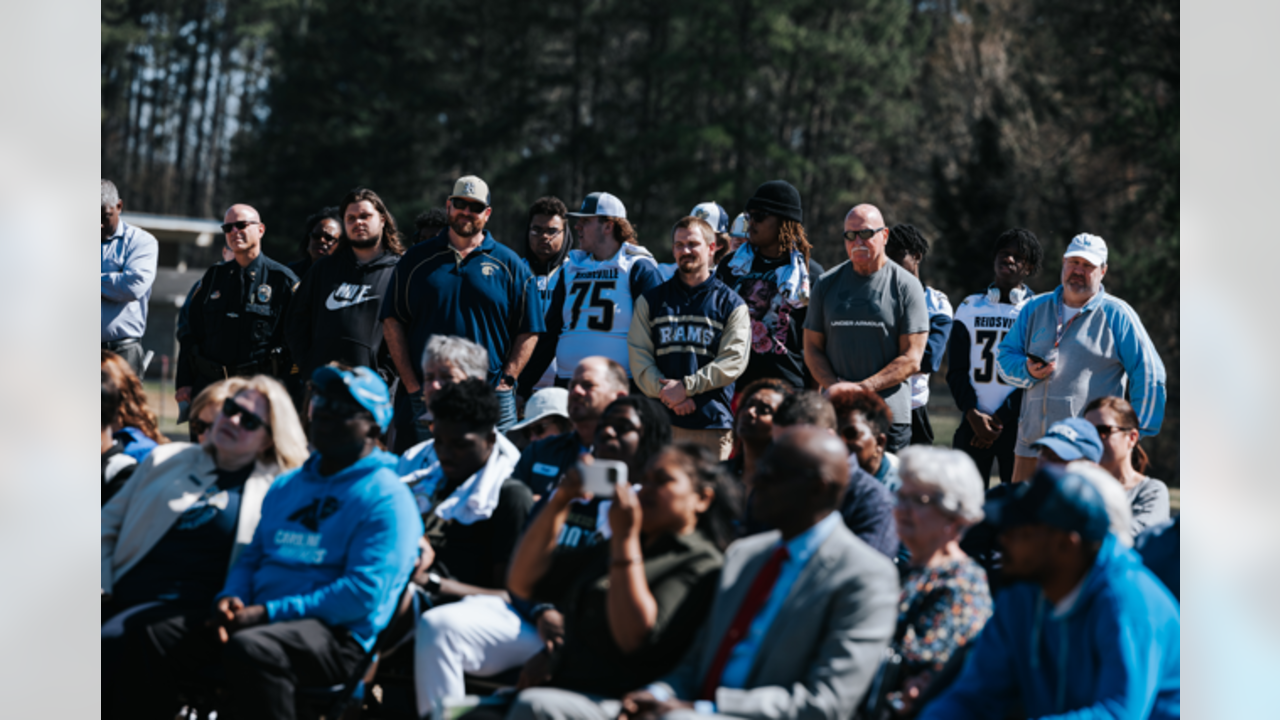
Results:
248 420
1104 431
465 204
319 234
197 427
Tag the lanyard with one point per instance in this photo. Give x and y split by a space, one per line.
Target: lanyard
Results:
1062 328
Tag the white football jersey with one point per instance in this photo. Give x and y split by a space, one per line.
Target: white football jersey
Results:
936 304
597 307
987 320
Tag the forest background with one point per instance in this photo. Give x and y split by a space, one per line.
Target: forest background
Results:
962 118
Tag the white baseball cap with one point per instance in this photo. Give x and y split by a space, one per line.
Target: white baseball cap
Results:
601 203
739 228
713 214
472 188
1089 247
544 403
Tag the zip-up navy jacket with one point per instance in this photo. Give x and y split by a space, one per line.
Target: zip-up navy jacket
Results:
698 335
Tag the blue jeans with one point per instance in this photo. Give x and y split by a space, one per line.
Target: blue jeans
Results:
419 409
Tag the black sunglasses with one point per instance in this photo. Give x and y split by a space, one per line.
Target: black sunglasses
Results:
1104 431
867 234
758 216
318 234
248 420
474 206
238 225
197 427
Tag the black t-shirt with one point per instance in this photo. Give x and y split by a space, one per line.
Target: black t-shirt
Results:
189 563
777 331
469 553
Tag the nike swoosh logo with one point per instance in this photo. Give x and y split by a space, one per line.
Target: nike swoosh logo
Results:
333 303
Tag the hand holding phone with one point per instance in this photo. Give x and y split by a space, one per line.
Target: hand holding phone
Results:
601 477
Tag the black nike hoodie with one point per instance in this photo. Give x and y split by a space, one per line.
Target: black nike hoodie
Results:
334 313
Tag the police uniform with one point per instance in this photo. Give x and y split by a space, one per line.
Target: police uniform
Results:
237 324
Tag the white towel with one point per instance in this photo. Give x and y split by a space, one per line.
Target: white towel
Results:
792 279
475 499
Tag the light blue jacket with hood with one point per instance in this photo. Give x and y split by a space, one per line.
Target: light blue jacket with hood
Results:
1113 654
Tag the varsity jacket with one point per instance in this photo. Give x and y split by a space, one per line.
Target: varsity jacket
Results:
334 313
699 335
1102 349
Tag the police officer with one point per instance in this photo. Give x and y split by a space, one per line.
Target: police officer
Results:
237 315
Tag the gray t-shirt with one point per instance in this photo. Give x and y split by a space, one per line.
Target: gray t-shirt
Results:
862 318
1149 501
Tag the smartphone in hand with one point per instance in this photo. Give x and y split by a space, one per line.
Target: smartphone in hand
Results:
601 478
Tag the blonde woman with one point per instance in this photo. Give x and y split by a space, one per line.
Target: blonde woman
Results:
177 525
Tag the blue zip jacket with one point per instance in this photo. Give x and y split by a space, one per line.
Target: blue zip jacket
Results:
1104 348
1114 654
337 548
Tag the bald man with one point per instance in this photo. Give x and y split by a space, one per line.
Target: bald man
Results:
868 322
799 619
236 318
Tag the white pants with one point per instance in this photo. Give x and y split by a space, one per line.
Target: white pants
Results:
480 634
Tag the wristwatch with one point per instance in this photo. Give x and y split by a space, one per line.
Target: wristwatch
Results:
509 380
433 583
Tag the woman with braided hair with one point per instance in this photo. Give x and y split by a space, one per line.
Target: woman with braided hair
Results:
773 273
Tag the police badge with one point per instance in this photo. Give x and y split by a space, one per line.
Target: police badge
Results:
264 294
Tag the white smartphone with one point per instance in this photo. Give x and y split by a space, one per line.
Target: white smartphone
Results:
601 477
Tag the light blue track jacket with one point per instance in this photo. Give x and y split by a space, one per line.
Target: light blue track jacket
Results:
1105 347
338 549
1115 654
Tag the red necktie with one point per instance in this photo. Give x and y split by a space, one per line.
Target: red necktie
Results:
757 594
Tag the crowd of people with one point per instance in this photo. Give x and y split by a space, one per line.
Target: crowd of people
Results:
611 488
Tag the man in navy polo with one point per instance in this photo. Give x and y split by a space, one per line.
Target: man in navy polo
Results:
690 339
463 282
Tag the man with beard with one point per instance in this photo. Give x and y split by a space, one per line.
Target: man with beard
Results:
549 242
1075 344
334 549
773 273
597 381
689 341
868 322
463 282
591 308
236 323
334 314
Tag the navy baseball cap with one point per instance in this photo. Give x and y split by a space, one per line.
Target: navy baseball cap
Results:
1054 497
364 386
601 204
1072 439
714 214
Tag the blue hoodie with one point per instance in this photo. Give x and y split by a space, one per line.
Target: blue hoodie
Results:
337 548
1114 654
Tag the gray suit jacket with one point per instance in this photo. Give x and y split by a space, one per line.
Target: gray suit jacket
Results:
824 647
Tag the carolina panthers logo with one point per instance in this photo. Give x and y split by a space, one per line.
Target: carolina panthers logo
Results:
313 514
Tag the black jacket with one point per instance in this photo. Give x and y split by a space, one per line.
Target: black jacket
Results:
334 315
237 323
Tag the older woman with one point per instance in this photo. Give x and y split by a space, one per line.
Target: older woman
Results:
135 426
208 404
631 606
177 525
1117 426
945 600
447 359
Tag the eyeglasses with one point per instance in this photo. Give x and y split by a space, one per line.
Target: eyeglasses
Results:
248 420
864 235
337 406
1104 431
238 225
549 232
318 234
758 216
465 204
922 500
197 427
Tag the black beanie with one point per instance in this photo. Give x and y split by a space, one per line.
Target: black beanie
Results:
778 197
